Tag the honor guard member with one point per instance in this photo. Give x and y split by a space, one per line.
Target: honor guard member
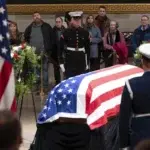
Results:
134 121
74 47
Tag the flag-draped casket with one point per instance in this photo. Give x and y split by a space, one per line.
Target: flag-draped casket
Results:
95 96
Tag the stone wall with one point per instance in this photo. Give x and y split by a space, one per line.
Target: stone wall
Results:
127 22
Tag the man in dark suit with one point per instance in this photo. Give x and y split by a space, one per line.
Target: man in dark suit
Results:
134 122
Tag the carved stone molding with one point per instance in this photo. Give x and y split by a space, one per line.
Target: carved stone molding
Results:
87 8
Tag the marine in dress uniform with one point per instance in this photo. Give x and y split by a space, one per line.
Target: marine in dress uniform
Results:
74 47
134 121
72 133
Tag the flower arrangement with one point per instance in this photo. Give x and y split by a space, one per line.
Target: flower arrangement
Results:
138 56
24 61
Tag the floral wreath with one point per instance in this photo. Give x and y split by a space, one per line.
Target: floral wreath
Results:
24 62
138 56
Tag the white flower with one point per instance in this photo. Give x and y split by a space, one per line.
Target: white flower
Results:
28 47
12 54
16 48
33 49
19 80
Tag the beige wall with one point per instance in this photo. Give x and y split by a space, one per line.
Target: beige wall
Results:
127 22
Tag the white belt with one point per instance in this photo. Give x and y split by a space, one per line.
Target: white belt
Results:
74 49
141 115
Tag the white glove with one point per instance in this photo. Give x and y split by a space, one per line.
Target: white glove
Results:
62 67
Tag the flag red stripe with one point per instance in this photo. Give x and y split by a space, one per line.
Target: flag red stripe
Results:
103 120
4 76
109 68
106 96
106 79
114 76
89 90
14 105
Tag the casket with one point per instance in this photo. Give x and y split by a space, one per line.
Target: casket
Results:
95 96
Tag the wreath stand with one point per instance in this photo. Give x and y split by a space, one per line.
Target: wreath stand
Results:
33 104
42 88
32 93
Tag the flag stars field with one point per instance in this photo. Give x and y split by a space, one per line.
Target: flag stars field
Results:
64 96
66 85
1 38
8 35
70 90
5 23
60 90
2 10
69 102
4 50
59 102
73 81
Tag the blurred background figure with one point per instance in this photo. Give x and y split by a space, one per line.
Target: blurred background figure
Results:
102 21
16 37
95 39
39 35
144 145
142 33
67 18
58 30
10 131
112 37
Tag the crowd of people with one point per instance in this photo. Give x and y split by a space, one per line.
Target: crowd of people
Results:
104 34
77 49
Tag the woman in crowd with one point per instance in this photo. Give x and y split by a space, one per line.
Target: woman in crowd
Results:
114 41
15 36
95 38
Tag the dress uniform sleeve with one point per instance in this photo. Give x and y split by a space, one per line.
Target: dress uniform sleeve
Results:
87 46
61 49
124 118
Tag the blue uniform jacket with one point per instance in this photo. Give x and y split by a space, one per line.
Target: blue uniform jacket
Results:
135 101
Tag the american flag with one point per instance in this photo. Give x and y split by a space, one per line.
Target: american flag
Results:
95 96
7 84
